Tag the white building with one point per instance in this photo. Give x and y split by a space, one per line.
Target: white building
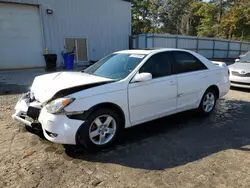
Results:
95 27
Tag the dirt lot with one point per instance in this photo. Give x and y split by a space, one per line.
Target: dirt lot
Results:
183 150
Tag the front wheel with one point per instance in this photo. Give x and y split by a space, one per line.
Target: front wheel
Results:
100 129
208 102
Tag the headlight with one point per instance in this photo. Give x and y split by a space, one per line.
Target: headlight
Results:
56 106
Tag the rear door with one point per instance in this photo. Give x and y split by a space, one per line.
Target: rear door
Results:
192 76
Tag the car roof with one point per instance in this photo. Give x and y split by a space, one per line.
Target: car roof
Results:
149 51
208 63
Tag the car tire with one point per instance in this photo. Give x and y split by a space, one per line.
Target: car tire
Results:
208 102
100 129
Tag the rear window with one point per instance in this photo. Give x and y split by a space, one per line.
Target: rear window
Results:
186 62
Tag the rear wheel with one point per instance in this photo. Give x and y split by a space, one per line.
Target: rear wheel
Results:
100 129
208 102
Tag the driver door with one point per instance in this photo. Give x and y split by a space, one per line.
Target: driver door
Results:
157 97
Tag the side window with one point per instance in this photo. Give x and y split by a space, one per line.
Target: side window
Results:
158 65
186 62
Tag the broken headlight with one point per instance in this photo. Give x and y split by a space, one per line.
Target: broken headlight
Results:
57 105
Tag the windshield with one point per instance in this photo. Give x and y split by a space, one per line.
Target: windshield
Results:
248 53
245 59
115 66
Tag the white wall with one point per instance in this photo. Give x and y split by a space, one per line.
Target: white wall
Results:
20 36
105 23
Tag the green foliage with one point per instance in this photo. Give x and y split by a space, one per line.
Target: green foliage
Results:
218 18
208 18
235 22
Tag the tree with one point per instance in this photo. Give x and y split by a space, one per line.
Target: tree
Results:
218 18
140 21
145 16
172 15
235 23
208 26
194 18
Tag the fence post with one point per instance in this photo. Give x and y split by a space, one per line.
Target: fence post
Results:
176 41
197 45
240 48
213 48
130 42
228 49
153 40
137 41
146 40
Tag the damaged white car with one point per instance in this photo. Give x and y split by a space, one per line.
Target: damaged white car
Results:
124 89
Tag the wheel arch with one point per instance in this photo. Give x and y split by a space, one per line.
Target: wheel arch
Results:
216 89
217 93
109 105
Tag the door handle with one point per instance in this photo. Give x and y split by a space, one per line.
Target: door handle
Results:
205 76
172 82
179 95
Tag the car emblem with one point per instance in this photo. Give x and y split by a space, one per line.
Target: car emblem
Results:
242 72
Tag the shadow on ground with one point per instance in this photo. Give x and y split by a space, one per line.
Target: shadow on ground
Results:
178 139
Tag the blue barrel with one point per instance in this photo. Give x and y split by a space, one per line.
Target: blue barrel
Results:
68 61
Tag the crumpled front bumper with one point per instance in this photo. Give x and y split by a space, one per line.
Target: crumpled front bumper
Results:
59 128
21 110
56 128
18 118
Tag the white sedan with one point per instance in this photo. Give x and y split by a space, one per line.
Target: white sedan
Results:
122 90
240 72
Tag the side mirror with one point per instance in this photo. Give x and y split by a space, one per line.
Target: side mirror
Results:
237 60
142 77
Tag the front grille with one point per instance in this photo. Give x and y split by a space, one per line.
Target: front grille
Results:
235 73
240 83
33 112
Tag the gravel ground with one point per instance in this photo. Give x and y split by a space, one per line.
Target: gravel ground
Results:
183 150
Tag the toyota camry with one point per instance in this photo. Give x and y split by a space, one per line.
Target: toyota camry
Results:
124 89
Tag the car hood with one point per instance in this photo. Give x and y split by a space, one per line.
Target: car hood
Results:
240 67
46 86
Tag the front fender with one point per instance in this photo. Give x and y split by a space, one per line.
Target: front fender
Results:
118 98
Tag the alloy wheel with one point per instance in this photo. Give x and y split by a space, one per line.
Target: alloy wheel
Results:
102 129
208 102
